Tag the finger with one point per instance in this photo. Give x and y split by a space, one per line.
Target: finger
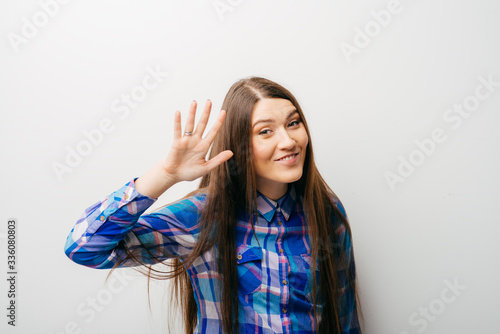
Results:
190 119
177 125
216 127
218 159
202 123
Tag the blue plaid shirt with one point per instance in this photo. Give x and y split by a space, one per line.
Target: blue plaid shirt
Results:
273 263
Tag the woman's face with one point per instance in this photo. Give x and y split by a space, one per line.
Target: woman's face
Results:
277 132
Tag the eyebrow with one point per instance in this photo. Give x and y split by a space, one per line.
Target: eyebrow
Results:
268 120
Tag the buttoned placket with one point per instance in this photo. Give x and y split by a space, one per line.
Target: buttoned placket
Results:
284 269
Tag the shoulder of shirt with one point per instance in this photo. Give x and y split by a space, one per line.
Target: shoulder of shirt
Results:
338 204
340 227
194 197
193 201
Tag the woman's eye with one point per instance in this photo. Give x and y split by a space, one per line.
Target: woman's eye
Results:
292 123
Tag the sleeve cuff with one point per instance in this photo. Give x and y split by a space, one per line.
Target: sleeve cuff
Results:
126 204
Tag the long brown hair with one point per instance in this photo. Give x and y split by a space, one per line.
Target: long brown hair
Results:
230 188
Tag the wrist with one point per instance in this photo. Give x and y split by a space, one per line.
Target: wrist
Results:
168 177
155 182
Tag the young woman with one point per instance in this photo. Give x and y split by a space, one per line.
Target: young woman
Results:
262 246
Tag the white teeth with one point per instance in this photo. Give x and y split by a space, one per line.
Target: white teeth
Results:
287 158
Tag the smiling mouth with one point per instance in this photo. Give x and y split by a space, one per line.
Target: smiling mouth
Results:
289 157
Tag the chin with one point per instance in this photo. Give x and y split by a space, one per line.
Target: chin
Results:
292 179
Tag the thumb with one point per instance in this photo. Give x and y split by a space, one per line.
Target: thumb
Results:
219 158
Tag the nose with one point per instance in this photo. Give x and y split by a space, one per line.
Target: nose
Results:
286 142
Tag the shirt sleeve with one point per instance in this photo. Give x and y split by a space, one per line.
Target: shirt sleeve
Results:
348 312
349 317
109 227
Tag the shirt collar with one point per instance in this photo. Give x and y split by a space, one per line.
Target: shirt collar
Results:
267 207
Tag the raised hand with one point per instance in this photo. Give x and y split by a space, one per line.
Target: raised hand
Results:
186 159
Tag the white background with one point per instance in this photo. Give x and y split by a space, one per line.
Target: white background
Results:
439 225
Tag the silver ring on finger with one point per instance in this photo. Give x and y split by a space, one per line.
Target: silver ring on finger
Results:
188 133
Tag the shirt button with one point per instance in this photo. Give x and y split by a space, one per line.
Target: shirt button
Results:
284 282
239 257
279 222
284 310
281 251
102 218
126 196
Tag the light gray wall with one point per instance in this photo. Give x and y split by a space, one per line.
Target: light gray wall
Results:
425 231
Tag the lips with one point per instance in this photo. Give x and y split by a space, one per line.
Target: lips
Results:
288 155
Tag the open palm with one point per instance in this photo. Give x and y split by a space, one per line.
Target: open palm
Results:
186 158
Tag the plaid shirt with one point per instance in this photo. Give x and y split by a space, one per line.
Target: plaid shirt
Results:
273 264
